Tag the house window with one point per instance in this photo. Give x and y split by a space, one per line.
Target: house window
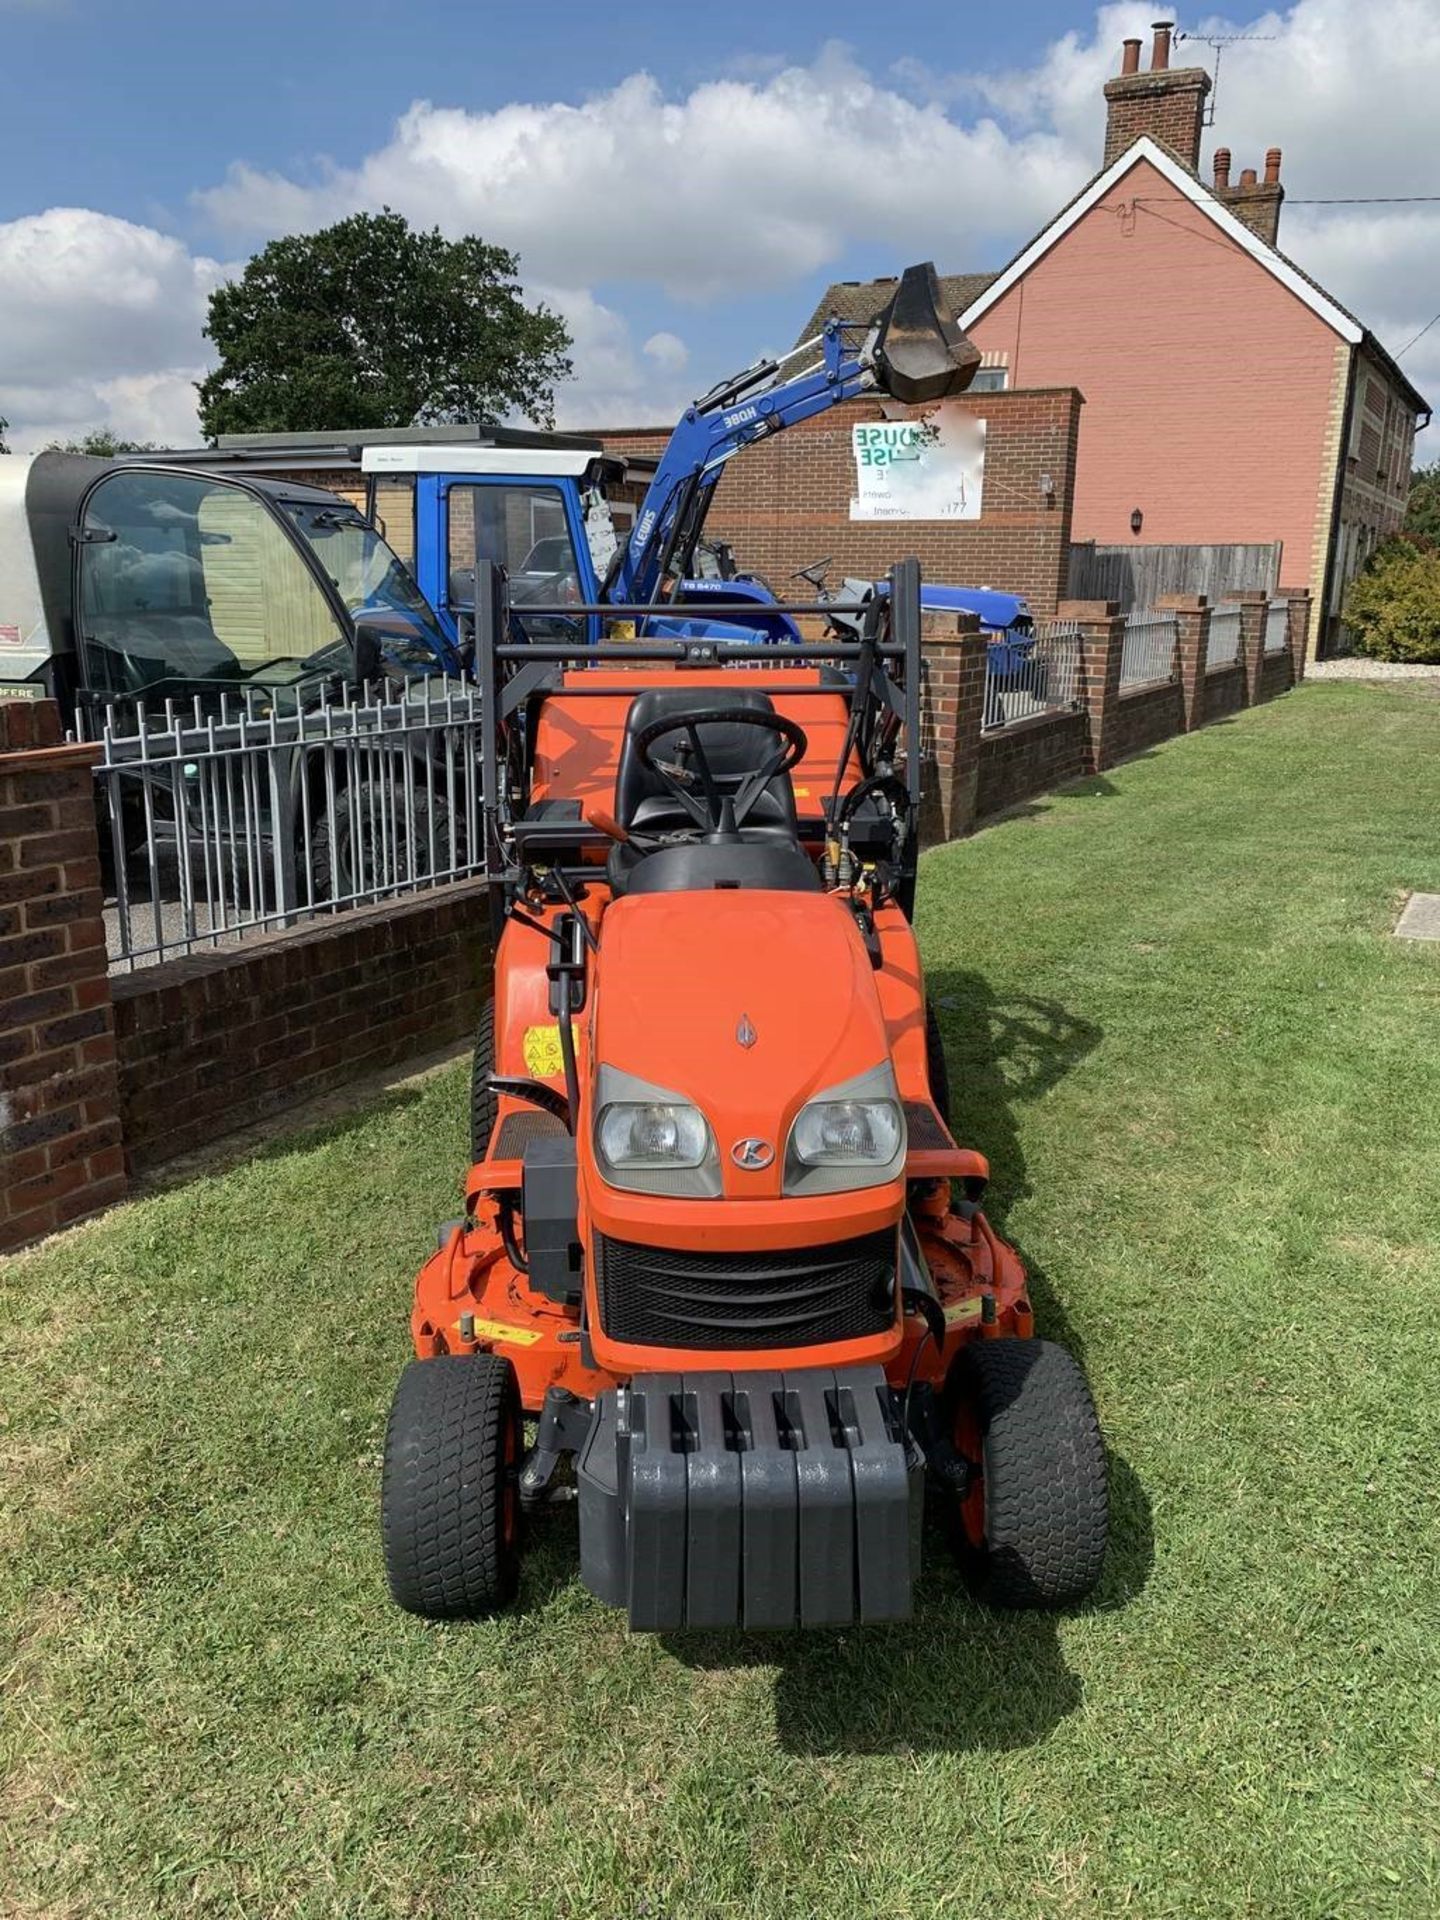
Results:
989 380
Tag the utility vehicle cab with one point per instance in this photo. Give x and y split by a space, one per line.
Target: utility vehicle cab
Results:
542 513
126 580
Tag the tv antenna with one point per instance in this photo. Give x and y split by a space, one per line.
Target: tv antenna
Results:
1217 44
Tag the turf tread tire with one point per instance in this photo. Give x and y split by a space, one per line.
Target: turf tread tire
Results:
1046 1499
935 1065
443 1492
339 876
484 1104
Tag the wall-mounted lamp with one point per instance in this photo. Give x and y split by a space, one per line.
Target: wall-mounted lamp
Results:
1137 520
1047 486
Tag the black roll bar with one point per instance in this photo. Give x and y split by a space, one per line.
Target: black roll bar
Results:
500 660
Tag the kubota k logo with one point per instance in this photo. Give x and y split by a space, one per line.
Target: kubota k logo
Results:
745 1033
752 1154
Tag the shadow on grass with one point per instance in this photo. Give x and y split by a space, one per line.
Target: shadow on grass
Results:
1090 786
1004 1052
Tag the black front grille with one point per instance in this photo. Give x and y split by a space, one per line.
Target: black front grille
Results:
791 1297
522 1125
923 1128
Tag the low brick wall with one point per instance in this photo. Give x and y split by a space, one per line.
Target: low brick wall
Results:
1275 675
1029 758
217 1040
1143 719
1224 691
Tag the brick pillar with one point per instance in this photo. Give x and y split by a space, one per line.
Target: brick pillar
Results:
1102 647
1192 648
952 700
1252 640
1298 635
60 1145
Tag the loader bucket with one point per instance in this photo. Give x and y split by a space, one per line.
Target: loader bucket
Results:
921 356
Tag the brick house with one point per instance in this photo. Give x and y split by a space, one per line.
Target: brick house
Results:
1228 397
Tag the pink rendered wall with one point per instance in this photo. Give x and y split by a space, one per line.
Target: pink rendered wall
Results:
1207 383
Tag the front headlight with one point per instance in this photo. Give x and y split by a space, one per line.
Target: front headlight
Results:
850 1136
649 1140
651 1134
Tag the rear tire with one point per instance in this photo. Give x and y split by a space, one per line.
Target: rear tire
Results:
449 1500
484 1104
374 849
1031 1531
935 1065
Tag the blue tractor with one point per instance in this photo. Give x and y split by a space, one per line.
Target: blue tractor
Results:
542 510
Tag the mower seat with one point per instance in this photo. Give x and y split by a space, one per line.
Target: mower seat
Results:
642 800
768 853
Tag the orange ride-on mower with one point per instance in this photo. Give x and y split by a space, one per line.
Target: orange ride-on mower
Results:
718 1238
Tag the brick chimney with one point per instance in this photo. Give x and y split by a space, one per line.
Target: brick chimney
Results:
1256 202
1168 102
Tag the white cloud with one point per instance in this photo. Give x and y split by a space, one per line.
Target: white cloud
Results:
154 408
100 325
614 385
771 178
667 350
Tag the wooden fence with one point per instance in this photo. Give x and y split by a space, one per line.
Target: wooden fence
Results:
1137 576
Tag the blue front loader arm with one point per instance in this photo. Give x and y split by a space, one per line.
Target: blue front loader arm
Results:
713 431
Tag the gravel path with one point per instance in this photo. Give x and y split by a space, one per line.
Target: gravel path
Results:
1358 669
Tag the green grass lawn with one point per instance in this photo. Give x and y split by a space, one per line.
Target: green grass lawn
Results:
1210 1086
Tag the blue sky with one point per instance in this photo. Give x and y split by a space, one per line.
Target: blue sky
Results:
681 182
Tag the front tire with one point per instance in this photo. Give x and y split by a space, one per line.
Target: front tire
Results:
1032 1527
449 1499
484 1105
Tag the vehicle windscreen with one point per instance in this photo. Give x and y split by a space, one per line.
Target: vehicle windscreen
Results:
370 578
187 581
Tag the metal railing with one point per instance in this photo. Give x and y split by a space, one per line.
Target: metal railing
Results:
1148 658
1277 626
1224 647
226 818
1029 676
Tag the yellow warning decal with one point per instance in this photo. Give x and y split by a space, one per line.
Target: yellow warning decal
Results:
963 1310
543 1058
497 1330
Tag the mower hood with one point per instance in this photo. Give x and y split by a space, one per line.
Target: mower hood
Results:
747 1003
920 354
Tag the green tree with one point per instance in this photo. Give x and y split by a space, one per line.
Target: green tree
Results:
1393 608
100 442
1422 512
370 323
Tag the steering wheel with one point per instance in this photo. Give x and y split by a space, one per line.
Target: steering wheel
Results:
814 573
714 810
